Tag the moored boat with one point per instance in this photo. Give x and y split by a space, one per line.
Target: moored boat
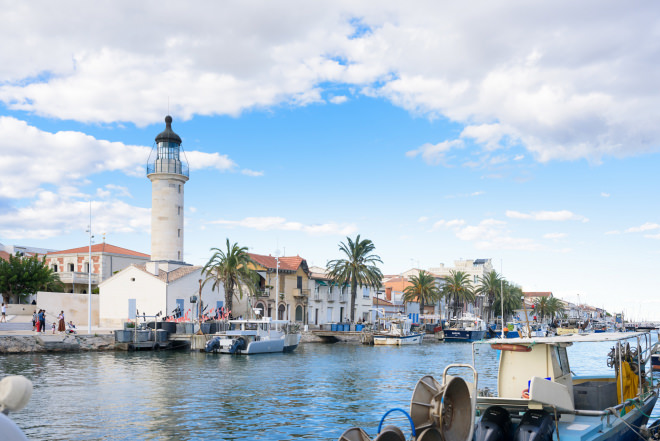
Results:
254 336
468 328
398 332
538 396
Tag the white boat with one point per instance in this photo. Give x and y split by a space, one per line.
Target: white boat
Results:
255 336
398 333
15 393
538 396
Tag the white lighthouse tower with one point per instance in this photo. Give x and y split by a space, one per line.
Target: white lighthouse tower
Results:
168 174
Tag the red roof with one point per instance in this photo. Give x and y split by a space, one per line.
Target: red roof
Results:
537 294
286 263
101 248
4 255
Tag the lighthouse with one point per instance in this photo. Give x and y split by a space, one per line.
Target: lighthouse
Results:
168 174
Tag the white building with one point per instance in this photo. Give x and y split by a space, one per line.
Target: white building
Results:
153 288
331 303
475 269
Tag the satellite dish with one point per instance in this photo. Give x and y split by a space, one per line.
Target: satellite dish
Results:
445 408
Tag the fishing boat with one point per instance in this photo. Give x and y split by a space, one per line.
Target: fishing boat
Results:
467 328
538 396
398 332
255 336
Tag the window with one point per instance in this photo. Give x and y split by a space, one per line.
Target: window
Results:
54 268
179 188
178 232
86 267
178 209
178 255
299 282
71 267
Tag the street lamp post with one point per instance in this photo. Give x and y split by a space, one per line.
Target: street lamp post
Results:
89 274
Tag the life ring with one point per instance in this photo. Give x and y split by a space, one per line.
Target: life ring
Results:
509 347
525 394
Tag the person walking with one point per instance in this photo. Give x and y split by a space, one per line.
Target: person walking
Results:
42 320
34 320
4 313
61 326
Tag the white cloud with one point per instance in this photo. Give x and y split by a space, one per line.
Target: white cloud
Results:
338 99
280 223
52 215
556 78
555 236
605 195
435 154
252 173
562 215
648 226
67 158
423 219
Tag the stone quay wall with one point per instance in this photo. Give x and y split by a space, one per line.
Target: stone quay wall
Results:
17 344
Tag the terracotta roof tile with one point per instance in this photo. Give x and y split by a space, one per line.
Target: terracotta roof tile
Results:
286 263
102 248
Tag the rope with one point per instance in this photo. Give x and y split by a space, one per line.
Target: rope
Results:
632 428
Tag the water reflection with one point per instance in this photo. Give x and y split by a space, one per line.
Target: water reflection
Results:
315 393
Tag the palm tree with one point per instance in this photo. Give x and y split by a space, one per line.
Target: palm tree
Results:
555 307
541 307
489 286
231 269
512 298
358 268
422 288
458 290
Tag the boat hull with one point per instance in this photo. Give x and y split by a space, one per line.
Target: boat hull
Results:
413 339
460 335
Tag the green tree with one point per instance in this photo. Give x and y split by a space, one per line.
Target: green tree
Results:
423 289
541 307
555 308
512 298
21 276
357 268
458 290
230 269
489 286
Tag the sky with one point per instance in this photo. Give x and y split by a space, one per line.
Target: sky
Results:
524 132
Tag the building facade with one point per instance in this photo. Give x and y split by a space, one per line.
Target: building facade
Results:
73 265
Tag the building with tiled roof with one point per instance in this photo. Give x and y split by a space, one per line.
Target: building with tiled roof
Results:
72 265
156 288
290 298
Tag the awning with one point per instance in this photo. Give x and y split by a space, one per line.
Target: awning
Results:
321 282
263 274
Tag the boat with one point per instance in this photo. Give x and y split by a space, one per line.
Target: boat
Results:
467 328
538 397
439 333
255 336
527 330
398 332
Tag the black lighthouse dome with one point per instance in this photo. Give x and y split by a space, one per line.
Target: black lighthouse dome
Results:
168 134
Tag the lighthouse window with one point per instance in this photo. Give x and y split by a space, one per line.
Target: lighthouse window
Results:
179 188
178 209
178 232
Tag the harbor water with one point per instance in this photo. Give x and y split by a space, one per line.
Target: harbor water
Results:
314 393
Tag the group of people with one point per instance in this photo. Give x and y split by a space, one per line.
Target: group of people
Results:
39 323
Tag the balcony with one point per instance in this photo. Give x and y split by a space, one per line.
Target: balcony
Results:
301 293
77 278
263 293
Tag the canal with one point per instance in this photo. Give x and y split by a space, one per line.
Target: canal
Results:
314 393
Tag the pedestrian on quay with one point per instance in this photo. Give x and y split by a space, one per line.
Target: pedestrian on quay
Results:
34 320
61 327
42 320
4 313
53 327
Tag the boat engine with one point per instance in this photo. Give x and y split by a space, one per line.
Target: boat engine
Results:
536 425
494 425
212 345
238 345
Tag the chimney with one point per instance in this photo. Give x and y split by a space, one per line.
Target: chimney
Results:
152 267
